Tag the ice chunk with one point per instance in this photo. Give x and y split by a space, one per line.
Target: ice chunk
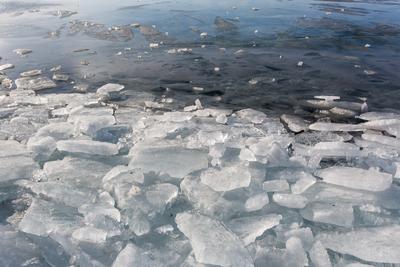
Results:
373 116
43 218
381 139
77 171
330 213
87 147
17 250
173 160
256 202
227 178
90 234
335 149
276 186
290 200
160 195
60 77
336 127
294 123
31 73
17 167
58 130
249 228
131 255
319 256
22 51
370 180
111 90
123 173
11 148
42 147
63 193
295 254
254 116
212 243
377 244
90 125
301 185
6 66
35 84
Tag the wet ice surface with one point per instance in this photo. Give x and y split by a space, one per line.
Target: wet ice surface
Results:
160 133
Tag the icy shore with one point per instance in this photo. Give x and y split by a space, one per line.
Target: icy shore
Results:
85 181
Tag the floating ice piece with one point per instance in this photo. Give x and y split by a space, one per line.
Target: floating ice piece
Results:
391 126
374 116
370 180
247 154
90 234
62 193
336 127
6 66
58 130
342 113
374 244
124 173
35 84
16 167
276 186
212 243
90 125
254 116
87 147
221 118
227 178
42 147
249 228
328 104
131 255
294 123
382 139
60 77
173 160
22 51
175 116
290 200
303 183
319 256
111 90
154 45
31 73
327 97
11 148
295 254
329 213
17 250
44 217
304 234
256 202
160 195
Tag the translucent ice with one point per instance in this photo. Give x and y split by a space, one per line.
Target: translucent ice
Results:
370 180
212 242
227 178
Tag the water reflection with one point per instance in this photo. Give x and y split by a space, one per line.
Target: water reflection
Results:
347 48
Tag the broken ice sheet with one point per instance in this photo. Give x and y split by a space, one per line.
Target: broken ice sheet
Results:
227 178
376 244
212 242
355 178
35 84
174 160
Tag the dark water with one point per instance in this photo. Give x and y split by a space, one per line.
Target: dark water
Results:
348 48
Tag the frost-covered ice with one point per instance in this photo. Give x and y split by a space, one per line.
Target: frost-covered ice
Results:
87 181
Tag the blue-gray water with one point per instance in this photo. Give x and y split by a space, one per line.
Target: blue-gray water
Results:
349 48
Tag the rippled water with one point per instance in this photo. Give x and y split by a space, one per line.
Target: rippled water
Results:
349 48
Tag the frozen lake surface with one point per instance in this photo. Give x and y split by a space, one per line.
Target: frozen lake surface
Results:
200 133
